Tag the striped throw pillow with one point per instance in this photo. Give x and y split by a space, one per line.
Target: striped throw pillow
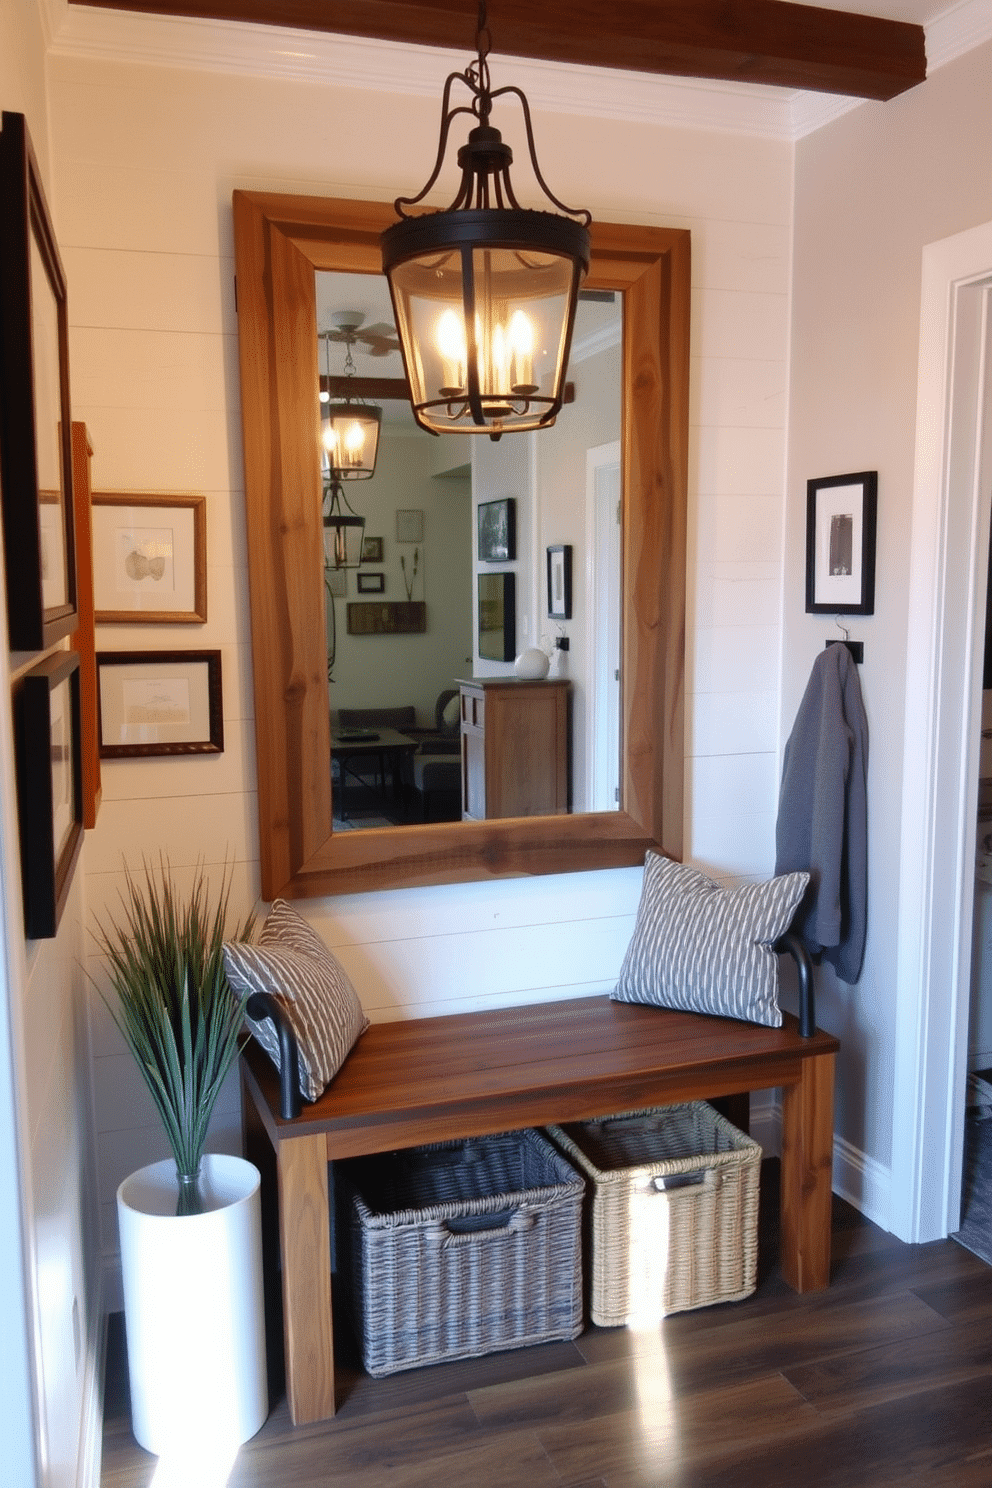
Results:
706 949
292 963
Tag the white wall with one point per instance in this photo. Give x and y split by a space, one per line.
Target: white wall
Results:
147 160
387 671
49 1284
871 190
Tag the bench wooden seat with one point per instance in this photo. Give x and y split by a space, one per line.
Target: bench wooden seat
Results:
470 1074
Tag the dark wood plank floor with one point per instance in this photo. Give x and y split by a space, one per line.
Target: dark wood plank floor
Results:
884 1379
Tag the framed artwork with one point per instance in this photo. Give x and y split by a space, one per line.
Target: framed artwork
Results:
371 583
560 582
160 702
371 549
498 616
49 787
498 531
840 544
409 527
393 617
149 559
35 414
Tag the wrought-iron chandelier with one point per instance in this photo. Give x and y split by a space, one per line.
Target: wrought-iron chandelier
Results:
350 440
484 292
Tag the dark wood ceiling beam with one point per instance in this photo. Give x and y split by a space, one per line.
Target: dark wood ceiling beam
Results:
744 41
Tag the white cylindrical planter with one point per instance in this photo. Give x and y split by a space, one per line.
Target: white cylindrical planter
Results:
193 1306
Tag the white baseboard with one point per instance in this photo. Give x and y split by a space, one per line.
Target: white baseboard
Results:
863 1182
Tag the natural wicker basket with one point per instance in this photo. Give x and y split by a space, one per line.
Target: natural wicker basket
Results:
671 1211
461 1248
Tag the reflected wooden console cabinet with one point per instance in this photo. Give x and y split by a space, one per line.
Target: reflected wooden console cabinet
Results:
515 747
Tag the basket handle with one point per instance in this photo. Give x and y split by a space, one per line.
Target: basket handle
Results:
673 1183
506 1221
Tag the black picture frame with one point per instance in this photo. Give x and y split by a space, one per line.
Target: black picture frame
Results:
35 410
497 527
159 703
47 728
371 549
371 583
841 513
560 582
498 616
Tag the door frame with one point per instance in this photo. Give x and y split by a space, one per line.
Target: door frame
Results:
948 566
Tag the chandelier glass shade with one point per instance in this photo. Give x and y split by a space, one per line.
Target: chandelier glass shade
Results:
349 429
344 529
484 292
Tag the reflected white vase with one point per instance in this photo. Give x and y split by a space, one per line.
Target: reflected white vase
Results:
532 664
194 1306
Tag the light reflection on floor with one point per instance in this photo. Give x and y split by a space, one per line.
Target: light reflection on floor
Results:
645 1266
205 1464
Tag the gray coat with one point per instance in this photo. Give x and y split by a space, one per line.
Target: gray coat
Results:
822 812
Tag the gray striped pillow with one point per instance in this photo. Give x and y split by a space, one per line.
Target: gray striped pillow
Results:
292 962
706 949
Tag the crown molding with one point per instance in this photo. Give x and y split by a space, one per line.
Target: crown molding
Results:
84 32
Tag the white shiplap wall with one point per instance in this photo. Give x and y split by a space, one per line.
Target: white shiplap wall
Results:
147 159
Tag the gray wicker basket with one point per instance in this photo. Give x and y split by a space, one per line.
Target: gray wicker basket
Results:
461 1248
672 1210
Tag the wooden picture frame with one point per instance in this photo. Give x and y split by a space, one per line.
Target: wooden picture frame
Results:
371 583
84 637
498 616
497 530
160 703
389 617
560 582
149 558
49 787
840 544
35 410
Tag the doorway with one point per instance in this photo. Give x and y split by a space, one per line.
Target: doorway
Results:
952 507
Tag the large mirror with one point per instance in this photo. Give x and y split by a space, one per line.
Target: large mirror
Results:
281 243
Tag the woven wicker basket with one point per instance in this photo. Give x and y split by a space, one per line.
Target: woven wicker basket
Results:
461 1248
672 1210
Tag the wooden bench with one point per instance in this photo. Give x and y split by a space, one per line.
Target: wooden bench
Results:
470 1074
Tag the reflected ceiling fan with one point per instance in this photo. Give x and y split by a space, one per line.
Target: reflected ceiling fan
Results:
348 329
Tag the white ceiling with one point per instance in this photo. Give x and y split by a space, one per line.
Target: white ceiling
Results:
917 12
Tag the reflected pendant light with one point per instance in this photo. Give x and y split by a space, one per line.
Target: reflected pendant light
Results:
350 444
349 427
484 292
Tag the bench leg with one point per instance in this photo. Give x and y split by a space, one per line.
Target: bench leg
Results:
807 1165
305 1236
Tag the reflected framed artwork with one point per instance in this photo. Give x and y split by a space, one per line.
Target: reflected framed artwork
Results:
49 787
35 412
560 582
840 544
149 559
498 616
159 702
498 531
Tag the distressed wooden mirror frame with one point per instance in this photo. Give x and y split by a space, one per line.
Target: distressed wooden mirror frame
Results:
279 242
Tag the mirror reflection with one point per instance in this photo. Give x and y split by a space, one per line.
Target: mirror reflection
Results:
411 631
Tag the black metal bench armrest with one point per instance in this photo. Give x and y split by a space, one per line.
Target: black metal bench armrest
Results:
807 998
263 1005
